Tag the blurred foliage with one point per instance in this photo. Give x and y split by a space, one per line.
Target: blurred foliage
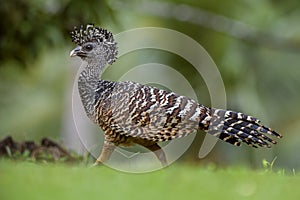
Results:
255 45
29 26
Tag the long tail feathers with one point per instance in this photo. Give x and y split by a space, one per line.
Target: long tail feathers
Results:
234 128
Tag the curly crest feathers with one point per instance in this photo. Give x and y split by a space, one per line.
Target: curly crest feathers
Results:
90 33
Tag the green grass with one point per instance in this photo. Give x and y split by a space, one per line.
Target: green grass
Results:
25 180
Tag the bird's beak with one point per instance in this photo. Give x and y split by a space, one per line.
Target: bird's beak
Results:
75 51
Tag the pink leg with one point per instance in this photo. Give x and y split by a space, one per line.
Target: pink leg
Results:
107 150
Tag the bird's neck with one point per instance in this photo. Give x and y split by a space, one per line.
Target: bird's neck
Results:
87 85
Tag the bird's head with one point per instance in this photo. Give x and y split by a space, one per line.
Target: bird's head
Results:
94 43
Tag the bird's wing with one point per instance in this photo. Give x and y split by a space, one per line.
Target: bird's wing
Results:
149 113
153 114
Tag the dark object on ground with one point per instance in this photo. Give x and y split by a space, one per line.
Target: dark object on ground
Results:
47 150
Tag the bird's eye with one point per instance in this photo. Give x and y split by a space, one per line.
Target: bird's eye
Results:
88 47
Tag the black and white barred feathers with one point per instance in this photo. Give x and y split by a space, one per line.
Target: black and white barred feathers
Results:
139 111
130 113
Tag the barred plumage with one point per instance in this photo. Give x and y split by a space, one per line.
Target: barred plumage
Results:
132 113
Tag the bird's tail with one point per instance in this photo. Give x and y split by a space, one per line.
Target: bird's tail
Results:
234 128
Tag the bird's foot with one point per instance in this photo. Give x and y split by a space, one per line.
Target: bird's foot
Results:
97 163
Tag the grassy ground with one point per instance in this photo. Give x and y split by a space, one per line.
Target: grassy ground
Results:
25 180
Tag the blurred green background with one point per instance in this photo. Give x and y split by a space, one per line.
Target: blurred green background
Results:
255 44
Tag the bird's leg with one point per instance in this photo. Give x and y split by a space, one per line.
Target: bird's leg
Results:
160 154
107 150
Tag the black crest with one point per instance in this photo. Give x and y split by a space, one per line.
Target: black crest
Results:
90 33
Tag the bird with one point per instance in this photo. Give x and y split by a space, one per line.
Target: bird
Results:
131 113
